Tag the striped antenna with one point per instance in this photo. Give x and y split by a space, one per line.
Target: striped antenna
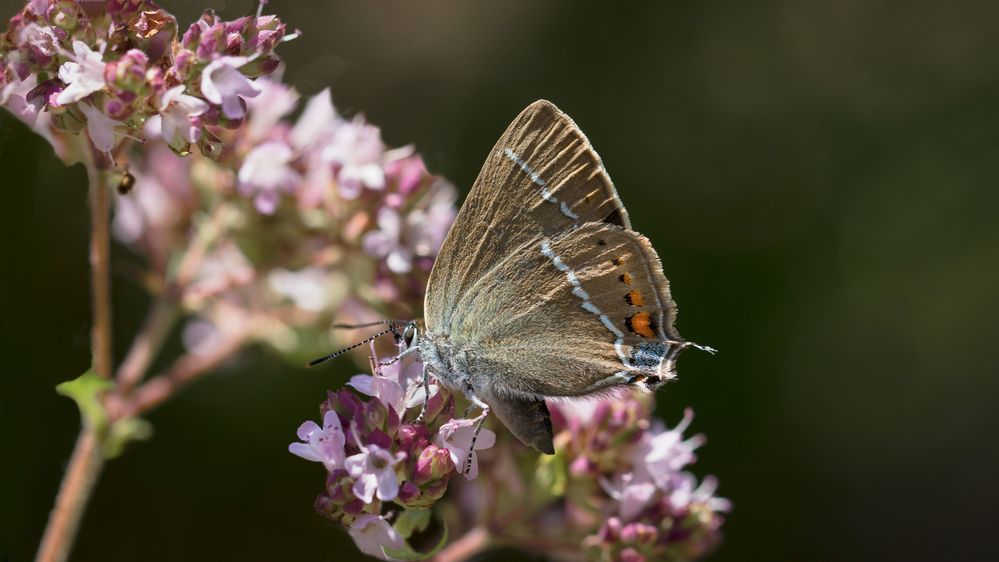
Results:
315 362
367 325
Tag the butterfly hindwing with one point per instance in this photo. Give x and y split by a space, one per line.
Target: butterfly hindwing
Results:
527 418
581 312
541 179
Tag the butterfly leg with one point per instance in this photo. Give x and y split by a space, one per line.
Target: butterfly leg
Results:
399 357
475 436
426 392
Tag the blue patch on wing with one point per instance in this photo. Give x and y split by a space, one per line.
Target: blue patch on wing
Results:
648 354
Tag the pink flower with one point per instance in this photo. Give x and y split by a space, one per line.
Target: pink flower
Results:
83 77
401 240
633 493
100 127
663 455
386 390
176 119
308 288
324 444
372 534
223 84
399 385
14 96
42 41
266 173
316 122
266 110
374 469
357 150
456 436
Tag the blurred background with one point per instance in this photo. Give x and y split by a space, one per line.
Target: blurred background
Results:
819 178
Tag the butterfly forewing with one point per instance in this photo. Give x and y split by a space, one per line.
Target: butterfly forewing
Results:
572 314
541 179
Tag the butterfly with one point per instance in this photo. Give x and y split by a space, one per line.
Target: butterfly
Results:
541 288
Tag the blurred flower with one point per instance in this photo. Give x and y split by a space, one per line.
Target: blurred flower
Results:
357 152
266 174
100 127
618 488
372 533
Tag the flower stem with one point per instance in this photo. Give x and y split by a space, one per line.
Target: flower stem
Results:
468 545
159 388
100 265
88 457
155 329
84 467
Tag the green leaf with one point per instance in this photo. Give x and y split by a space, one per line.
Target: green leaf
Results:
86 391
407 552
412 521
123 431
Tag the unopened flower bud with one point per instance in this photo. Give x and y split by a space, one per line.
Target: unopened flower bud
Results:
434 463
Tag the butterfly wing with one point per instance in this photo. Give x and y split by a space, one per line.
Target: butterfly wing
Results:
542 178
571 315
541 281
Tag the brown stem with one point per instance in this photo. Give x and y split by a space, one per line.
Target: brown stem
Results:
468 545
146 344
100 266
84 467
88 458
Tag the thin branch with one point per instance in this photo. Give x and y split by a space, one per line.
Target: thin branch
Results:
84 467
470 544
159 388
147 343
100 266
88 458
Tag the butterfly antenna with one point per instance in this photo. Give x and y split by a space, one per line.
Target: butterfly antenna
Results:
367 324
709 349
315 362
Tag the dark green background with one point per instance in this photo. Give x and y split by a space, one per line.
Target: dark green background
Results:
819 177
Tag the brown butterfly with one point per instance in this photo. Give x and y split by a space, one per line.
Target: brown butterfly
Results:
541 288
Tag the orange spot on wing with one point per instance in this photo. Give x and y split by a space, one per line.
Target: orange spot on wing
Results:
625 278
617 261
634 298
641 324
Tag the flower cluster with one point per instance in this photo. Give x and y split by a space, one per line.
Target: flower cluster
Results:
617 489
390 456
118 69
300 223
634 470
